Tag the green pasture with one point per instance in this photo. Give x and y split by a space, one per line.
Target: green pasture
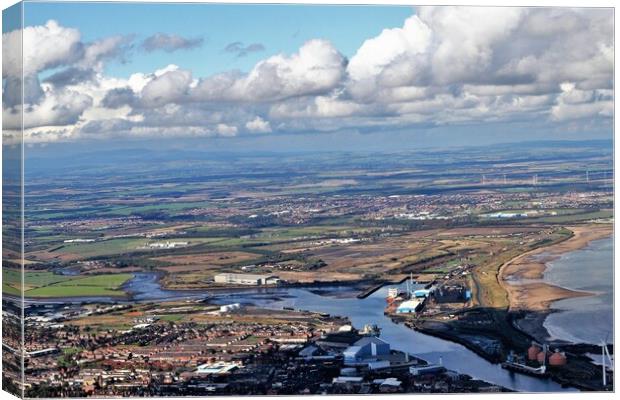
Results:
97 285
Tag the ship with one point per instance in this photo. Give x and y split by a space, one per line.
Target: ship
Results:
393 294
371 330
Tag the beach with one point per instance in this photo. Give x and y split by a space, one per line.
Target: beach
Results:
522 276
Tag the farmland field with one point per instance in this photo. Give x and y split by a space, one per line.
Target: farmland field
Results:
99 285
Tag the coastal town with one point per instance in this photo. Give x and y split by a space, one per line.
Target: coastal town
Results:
344 289
230 199
195 348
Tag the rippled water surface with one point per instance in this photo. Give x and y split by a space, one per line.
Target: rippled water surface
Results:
584 319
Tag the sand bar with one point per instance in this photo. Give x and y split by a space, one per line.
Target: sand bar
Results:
520 277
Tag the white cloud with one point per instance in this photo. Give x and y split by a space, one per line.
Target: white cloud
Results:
444 65
258 125
56 109
226 130
167 87
379 52
574 103
317 68
44 46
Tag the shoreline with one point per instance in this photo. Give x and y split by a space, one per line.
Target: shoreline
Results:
522 276
522 279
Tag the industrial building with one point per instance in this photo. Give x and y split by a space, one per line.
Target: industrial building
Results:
451 294
246 279
409 306
365 351
219 368
230 307
430 369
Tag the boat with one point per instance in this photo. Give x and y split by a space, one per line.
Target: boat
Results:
370 330
393 293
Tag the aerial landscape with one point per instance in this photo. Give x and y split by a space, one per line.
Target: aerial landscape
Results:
314 223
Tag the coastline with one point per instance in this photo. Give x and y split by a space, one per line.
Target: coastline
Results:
522 277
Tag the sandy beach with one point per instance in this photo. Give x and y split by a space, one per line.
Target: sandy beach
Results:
520 277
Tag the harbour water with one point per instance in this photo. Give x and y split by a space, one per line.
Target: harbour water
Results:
583 319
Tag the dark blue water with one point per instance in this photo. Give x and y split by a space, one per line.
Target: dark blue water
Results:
584 319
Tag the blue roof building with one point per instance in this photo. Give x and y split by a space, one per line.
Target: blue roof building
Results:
365 351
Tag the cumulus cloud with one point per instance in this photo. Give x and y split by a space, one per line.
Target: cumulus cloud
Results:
241 50
258 125
227 130
169 87
476 64
55 109
119 97
45 46
574 103
443 66
170 43
316 68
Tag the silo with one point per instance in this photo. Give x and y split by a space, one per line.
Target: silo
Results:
532 352
557 359
541 356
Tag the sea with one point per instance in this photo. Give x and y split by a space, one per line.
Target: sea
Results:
584 319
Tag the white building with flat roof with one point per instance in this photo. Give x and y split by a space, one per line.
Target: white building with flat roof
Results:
246 279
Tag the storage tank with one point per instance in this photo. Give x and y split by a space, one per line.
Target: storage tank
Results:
540 357
532 352
557 359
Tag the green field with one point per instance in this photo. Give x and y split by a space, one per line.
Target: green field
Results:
568 218
171 317
98 285
106 247
7 289
11 280
121 246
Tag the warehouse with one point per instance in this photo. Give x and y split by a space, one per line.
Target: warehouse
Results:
246 279
365 351
409 306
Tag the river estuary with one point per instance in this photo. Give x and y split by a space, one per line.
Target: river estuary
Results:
588 269
342 300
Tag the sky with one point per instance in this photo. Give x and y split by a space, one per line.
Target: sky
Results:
284 76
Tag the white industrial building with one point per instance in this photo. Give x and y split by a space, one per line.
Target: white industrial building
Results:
246 279
409 306
229 307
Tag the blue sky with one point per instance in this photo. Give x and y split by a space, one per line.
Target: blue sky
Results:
280 28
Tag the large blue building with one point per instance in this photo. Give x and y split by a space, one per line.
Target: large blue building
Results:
365 351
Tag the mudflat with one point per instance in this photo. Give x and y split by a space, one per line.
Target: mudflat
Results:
519 276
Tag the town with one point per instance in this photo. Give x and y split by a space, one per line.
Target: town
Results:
194 348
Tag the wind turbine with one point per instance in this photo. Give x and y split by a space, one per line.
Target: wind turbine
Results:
605 357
